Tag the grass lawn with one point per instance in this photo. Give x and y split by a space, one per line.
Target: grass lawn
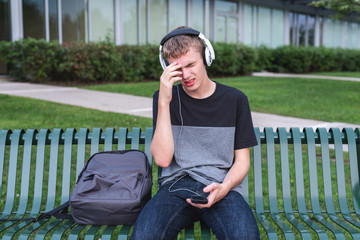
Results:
25 113
326 100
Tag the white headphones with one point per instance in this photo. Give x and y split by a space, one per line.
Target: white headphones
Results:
208 51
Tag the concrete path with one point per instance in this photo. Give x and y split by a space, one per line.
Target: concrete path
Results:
269 74
139 106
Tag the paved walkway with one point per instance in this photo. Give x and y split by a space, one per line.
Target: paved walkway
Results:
139 106
269 74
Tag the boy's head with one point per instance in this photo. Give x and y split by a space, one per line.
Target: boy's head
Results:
179 45
179 41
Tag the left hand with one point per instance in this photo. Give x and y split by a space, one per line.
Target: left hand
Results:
217 192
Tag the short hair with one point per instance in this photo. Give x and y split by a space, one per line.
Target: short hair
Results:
179 45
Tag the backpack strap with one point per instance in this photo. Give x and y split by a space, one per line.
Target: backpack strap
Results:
60 212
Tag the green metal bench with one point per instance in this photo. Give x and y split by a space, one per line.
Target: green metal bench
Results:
302 184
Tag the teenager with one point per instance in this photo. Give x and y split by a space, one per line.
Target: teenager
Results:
202 134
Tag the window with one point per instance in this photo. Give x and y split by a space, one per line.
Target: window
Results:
226 6
278 29
102 20
73 20
157 20
5 20
302 29
34 18
177 13
53 20
248 25
129 22
264 26
226 24
198 15
310 28
354 35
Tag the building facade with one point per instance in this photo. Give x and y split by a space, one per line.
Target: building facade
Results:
253 22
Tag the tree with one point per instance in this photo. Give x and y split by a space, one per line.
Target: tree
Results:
342 8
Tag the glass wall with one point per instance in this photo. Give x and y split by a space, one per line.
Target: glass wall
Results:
143 21
130 22
264 26
5 20
34 18
310 28
157 20
198 15
302 29
5 34
248 25
220 29
354 36
147 21
53 20
226 24
102 20
278 29
177 14
73 20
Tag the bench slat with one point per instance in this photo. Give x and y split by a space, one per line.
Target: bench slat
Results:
259 205
285 174
106 235
274 210
13 160
124 232
300 189
340 175
314 189
325 152
354 158
82 138
69 137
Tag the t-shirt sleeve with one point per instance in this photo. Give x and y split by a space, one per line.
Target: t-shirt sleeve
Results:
244 132
155 108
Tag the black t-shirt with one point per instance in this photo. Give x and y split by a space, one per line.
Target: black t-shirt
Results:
206 132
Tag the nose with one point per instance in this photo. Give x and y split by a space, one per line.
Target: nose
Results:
185 73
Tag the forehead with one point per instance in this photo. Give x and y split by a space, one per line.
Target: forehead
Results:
190 56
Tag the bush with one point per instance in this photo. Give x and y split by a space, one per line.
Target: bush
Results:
41 61
265 59
312 59
232 59
30 59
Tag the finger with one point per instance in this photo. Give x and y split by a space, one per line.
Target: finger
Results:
210 187
175 79
172 67
198 205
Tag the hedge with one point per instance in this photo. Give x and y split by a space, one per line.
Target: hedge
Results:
41 61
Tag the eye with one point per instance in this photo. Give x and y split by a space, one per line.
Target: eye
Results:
190 65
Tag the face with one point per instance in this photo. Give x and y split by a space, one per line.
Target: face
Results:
194 76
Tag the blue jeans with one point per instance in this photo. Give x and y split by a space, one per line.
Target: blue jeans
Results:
167 213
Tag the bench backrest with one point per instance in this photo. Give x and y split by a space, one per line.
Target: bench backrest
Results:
302 170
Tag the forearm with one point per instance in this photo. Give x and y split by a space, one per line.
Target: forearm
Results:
162 146
239 169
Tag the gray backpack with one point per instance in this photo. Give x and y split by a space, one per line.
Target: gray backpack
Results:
112 189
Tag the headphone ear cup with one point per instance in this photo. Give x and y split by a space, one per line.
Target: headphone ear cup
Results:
207 56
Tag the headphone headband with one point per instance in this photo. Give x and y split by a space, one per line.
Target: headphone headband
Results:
181 31
208 51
